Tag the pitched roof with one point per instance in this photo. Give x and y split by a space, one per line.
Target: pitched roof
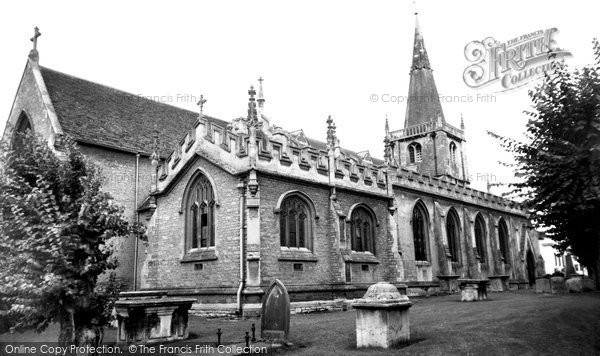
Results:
101 115
97 114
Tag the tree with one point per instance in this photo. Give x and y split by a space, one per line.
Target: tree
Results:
560 163
56 232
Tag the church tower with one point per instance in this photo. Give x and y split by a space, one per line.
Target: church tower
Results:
428 144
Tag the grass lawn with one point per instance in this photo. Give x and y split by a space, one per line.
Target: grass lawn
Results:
510 323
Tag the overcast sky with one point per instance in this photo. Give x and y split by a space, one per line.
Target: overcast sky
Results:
317 58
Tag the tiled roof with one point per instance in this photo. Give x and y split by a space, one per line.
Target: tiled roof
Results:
97 114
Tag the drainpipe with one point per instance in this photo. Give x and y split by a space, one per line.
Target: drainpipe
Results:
240 307
137 219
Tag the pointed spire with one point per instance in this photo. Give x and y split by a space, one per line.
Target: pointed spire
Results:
34 54
423 99
420 57
462 122
261 97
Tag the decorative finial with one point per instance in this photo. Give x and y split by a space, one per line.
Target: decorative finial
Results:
33 54
462 122
201 103
414 3
387 126
331 138
261 97
252 119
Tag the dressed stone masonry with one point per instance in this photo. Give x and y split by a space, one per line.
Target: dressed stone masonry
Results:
231 205
150 317
382 317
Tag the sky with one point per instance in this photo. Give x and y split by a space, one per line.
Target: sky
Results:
317 58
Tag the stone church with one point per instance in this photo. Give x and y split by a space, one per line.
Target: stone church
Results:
231 205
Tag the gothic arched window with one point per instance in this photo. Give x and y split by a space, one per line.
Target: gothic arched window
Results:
453 234
503 240
295 218
362 230
452 152
200 210
420 227
480 236
23 126
414 153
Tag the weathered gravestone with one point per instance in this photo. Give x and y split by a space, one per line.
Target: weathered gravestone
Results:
542 285
557 285
275 322
569 267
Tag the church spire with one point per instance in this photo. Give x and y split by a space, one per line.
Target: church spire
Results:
423 99
420 57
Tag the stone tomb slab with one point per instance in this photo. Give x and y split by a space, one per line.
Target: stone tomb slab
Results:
382 317
275 321
498 283
473 289
143 319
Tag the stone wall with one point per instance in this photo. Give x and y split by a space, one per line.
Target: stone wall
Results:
163 266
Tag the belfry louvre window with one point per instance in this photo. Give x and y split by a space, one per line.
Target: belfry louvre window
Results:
420 227
200 230
480 236
362 230
414 153
453 233
452 152
295 223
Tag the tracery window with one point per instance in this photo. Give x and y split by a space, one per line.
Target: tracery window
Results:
200 208
420 227
295 218
453 234
503 240
480 236
362 230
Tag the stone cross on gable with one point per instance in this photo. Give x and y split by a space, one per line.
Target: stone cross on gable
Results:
33 39
201 103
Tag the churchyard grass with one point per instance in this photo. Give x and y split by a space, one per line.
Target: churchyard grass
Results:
509 323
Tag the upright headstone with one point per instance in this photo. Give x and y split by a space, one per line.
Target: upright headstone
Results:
569 268
275 322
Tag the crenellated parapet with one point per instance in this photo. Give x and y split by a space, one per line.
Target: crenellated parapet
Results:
425 128
278 153
451 188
